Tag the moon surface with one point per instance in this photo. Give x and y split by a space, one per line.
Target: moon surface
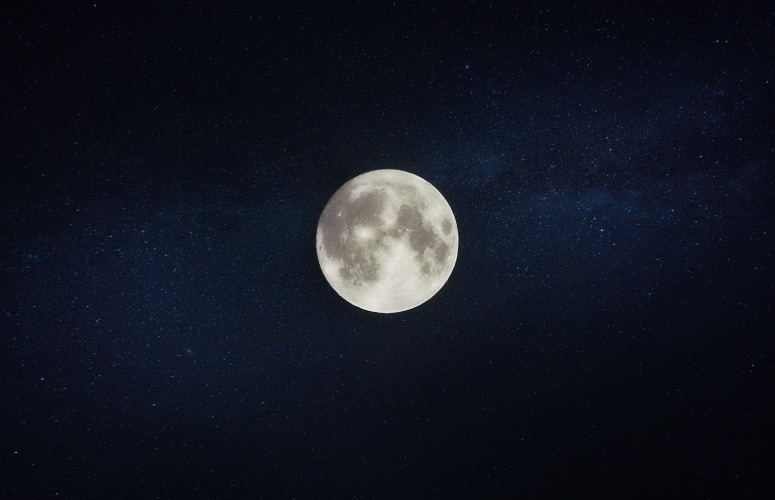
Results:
387 241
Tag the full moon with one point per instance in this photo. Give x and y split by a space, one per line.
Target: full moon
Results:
387 241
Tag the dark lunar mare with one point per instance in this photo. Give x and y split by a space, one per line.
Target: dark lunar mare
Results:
360 265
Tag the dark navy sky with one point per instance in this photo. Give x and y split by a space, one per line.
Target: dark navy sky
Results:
167 331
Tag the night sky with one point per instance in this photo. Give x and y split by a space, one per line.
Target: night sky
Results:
166 330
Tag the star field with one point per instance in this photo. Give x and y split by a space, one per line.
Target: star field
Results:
167 331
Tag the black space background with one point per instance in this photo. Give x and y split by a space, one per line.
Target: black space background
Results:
607 331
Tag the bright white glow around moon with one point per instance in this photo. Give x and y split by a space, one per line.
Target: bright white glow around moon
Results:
387 241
